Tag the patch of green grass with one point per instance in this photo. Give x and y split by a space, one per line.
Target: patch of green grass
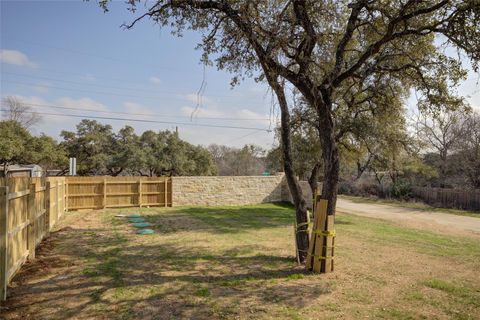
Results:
459 295
465 294
233 219
202 292
295 276
394 313
412 205
387 233
233 283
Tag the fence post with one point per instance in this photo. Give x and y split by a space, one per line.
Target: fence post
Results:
104 192
166 193
65 195
47 208
140 192
31 221
57 207
3 242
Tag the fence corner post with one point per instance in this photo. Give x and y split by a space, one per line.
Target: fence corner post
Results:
3 242
31 221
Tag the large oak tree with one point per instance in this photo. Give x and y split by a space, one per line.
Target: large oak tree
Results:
324 48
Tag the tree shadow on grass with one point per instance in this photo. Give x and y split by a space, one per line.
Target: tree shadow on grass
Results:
159 280
221 219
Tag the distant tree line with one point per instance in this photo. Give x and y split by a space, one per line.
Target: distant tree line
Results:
246 161
385 155
388 155
99 150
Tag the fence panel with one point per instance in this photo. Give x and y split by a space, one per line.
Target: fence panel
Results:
113 192
450 198
25 212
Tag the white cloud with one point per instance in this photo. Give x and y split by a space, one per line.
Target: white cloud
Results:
155 80
253 116
201 112
82 104
89 77
193 97
133 107
16 58
42 87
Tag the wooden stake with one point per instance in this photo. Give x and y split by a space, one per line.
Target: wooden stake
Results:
311 246
321 219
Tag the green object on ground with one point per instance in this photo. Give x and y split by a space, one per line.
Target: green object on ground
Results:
136 220
145 231
142 225
134 215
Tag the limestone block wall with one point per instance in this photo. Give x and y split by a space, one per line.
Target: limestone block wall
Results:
228 190
307 193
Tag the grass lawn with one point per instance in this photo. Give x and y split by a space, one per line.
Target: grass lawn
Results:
238 263
412 205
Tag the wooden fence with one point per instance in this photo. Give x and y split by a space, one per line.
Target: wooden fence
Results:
29 207
449 198
112 192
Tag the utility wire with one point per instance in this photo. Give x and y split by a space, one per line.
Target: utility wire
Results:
142 120
108 87
88 91
36 105
84 91
244 136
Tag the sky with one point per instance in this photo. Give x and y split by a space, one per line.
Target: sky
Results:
71 58
70 54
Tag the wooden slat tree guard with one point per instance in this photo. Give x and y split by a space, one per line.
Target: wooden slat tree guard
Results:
29 207
322 241
116 192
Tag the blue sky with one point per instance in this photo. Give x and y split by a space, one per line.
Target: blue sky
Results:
71 54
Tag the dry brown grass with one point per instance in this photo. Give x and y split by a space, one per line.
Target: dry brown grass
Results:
237 263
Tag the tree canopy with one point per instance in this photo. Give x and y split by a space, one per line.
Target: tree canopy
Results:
99 150
327 50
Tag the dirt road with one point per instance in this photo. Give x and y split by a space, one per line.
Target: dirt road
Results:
420 219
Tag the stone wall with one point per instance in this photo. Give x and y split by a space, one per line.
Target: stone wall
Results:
307 194
228 190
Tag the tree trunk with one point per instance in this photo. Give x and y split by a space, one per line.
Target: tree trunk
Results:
313 179
331 162
292 181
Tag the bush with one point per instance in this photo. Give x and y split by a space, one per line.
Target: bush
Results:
401 189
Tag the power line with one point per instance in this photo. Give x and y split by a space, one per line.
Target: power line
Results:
142 120
88 91
84 91
36 105
111 87
244 136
